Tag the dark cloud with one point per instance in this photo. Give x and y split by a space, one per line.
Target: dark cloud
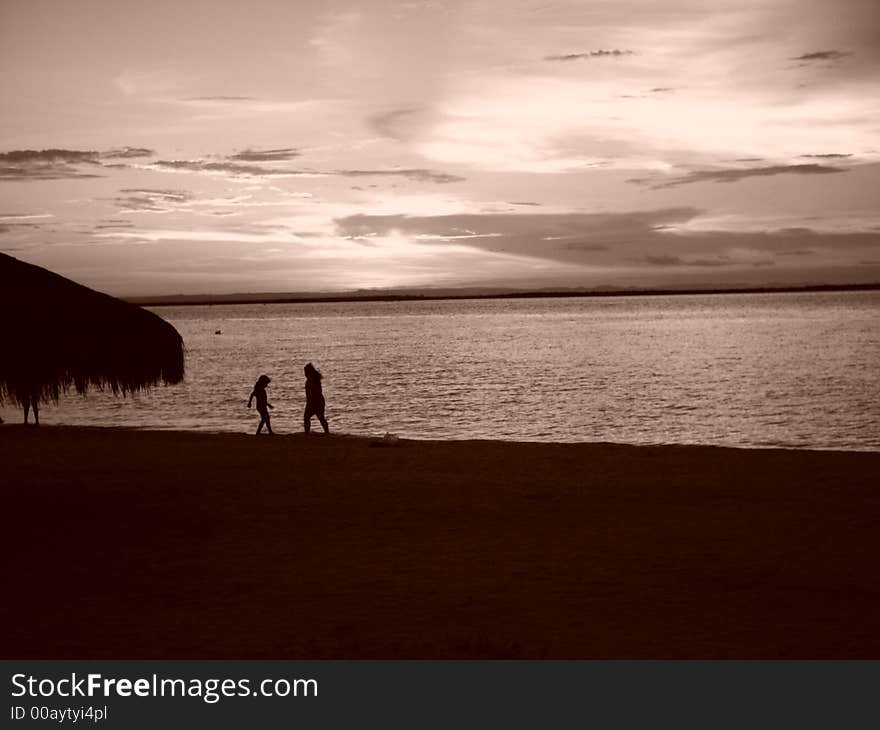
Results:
396 123
164 194
662 90
6 227
417 174
535 226
128 152
571 237
52 155
601 53
662 260
49 164
653 238
829 156
277 155
140 203
60 164
730 175
113 225
796 252
832 55
234 168
522 202
669 260
231 168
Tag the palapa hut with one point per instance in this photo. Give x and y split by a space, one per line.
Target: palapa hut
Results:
57 334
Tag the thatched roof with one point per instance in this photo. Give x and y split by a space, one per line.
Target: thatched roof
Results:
59 334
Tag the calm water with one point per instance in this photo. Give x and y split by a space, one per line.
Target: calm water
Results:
797 370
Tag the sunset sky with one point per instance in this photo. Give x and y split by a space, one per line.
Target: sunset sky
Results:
217 146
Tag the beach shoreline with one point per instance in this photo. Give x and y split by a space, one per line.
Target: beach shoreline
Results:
126 543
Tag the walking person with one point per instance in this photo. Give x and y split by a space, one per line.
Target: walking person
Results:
263 405
314 399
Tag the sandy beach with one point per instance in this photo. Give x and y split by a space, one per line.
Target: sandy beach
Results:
137 544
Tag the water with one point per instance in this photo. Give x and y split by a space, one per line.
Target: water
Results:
793 370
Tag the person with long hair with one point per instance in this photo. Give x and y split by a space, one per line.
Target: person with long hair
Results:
263 405
314 399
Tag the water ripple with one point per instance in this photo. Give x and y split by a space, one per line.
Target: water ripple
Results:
793 370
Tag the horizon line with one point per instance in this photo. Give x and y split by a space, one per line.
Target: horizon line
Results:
391 295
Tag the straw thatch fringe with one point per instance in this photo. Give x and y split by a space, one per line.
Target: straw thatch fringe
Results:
58 334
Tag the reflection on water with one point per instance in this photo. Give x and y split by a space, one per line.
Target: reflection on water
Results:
799 370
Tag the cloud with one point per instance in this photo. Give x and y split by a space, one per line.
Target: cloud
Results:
396 123
585 246
151 201
127 153
669 260
546 226
232 169
832 55
9 227
15 217
277 155
572 237
236 169
662 260
220 98
679 240
601 53
50 156
60 164
797 252
48 164
166 194
113 224
829 156
417 174
730 175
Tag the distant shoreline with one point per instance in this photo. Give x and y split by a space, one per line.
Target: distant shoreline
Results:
207 299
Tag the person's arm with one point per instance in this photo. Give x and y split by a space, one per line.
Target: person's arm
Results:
251 399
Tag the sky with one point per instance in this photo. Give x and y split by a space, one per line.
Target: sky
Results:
215 146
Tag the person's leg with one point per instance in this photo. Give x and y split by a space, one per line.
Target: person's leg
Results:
262 421
307 419
27 409
323 420
268 423
36 405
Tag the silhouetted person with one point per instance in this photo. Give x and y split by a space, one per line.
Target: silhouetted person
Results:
31 400
263 405
314 399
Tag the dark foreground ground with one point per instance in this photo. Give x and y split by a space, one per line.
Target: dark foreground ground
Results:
125 544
